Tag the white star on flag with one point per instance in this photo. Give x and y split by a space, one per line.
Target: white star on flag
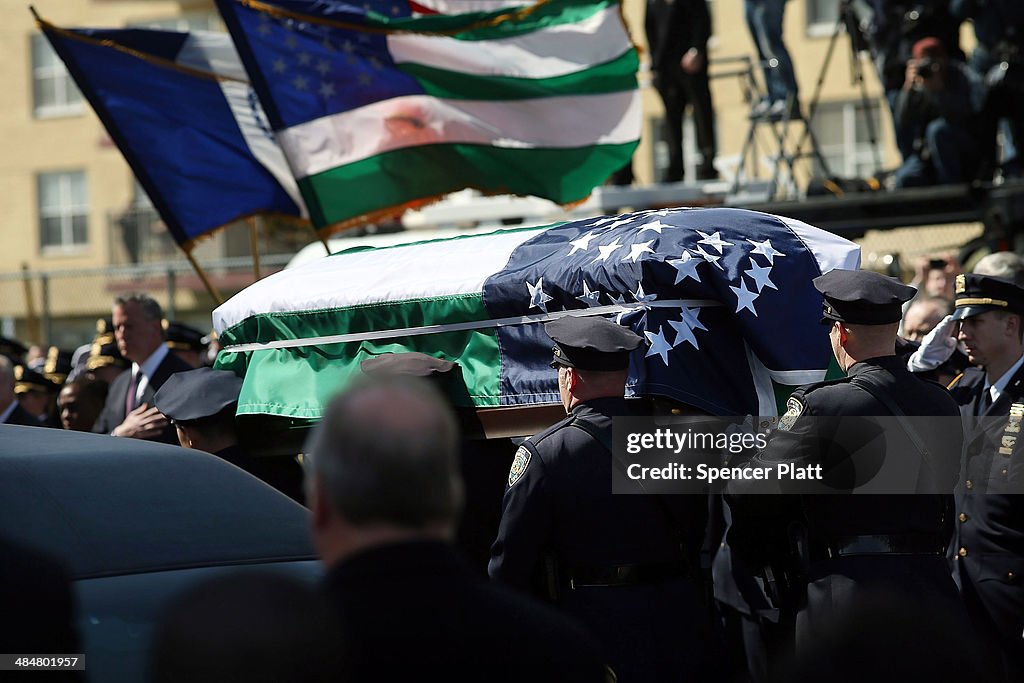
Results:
657 226
636 249
710 258
744 297
714 240
659 345
301 83
686 266
766 249
601 221
280 66
606 250
581 243
685 326
326 90
590 298
618 223
759 274
641 296
538 297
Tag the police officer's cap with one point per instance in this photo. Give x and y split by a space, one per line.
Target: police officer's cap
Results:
591 343
58 365
199 393
976 294
407 364
104 353
182 337
26 380
862 297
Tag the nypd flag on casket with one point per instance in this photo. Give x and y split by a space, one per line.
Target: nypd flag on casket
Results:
723 298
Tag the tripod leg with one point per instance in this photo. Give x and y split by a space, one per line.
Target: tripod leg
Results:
812 106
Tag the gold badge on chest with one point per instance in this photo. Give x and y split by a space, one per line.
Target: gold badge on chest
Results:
1012 429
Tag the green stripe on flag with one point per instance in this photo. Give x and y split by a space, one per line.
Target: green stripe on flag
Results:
298 382
614 76
399 176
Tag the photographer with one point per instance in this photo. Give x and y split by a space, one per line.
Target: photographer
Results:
942 99
891 28
998 60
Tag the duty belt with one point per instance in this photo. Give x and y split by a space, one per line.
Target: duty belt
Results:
884 544
627 574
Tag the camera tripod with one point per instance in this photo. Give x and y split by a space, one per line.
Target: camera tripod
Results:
847 19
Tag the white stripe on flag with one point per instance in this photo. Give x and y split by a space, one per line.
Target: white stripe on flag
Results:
459 327
411 121
830 251
215 53
392 275
555 51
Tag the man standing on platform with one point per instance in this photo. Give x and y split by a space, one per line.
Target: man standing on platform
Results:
677 34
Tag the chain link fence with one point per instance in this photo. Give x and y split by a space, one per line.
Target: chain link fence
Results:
61 307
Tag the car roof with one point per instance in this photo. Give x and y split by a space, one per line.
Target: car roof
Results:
109 505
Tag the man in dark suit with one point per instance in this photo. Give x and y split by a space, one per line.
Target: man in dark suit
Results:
11 412
129 407
384 496
848 548
201 405
988 552
677 33
627 566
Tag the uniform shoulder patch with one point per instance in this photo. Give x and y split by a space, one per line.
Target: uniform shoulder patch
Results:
519 465
794 408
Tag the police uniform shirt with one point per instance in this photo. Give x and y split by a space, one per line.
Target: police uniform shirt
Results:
561 524
988 549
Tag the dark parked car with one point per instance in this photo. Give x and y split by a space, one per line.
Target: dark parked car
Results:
136 522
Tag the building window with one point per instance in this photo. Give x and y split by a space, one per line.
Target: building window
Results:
54 92
845 138
822 16
63 210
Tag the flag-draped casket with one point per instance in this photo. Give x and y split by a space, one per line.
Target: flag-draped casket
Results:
723 298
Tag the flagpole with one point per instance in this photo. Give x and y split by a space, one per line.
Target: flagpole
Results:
322 239
218 299
31 319
254 247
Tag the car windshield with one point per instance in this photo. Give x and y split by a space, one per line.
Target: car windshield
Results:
118 614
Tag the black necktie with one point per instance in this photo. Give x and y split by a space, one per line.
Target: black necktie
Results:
986 401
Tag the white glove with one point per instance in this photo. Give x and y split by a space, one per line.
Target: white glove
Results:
936 347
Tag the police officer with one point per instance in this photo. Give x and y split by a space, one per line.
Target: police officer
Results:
201 405
989 548
848 548
625 565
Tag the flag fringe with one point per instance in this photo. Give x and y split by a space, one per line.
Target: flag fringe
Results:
504 16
